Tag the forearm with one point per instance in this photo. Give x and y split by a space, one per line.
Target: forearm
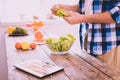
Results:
74 8
99 18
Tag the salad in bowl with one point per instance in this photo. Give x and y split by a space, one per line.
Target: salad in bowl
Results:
60 45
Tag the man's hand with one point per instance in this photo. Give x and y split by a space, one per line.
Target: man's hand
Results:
74 8
74 17
55 8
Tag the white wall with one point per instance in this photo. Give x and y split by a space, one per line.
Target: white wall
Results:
16 10
0 9
24 10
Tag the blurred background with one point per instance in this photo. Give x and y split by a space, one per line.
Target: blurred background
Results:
24 10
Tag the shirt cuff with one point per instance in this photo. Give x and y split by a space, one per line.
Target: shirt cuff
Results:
115 13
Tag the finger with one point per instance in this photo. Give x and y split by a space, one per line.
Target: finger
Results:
66 18
68 13
54 9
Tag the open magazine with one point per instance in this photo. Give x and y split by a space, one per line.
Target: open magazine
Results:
38 68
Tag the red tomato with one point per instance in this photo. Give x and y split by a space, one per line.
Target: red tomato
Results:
32 45
18 45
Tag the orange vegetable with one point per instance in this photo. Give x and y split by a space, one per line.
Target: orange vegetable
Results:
40 24
18 45
38 35
32 45
35 23
35 28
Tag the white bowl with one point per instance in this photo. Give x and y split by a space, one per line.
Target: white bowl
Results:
55 51
65 52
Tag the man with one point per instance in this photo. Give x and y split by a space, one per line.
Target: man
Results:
99 27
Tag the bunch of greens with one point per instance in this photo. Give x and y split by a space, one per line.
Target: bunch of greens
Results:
19 31
62 44
61 13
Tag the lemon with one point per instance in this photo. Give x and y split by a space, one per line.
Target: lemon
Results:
25 45
11 29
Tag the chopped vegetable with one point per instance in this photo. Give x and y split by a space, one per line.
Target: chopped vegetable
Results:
62 44
61 13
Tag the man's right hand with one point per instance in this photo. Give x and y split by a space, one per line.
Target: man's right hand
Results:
55 8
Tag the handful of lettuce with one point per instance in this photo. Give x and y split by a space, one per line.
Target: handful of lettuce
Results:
61 13
62 44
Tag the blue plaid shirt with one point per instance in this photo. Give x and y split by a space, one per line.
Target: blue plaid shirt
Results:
101 37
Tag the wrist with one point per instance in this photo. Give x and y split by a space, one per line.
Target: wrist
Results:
88 18
83 19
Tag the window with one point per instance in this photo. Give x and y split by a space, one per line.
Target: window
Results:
24 10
